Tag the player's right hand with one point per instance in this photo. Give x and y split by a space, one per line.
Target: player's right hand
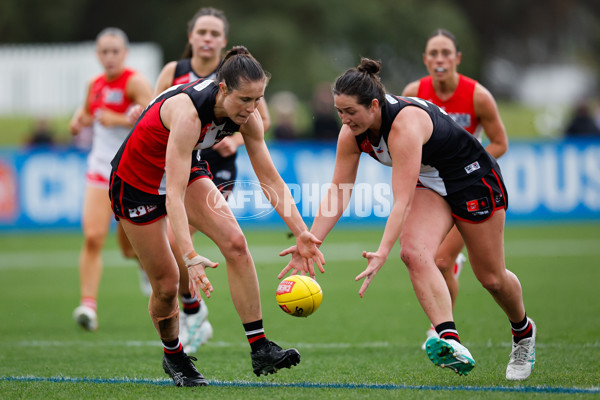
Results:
295 265
196 266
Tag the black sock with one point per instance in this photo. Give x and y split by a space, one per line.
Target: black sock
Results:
521 330
255 334
191 305
173 348
447 330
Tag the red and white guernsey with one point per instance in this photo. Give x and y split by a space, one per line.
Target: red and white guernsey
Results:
459 106
141 159
110 95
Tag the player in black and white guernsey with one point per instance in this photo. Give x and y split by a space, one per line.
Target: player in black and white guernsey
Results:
153 176
451 159
459 183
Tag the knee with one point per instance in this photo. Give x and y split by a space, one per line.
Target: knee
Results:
409 256
492 283
236 246
94 239
165 290
444 263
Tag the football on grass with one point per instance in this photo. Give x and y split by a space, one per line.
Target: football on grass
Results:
299 295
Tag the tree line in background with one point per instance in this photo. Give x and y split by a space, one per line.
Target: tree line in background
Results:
304 42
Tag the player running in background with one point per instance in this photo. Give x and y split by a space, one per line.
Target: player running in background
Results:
473 107
207 38
153 176
109 96
458 183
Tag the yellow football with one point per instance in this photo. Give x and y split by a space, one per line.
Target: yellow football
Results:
299 295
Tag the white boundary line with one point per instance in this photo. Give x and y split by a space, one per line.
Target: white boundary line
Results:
268 254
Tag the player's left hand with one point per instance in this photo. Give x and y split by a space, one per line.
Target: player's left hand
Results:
376 261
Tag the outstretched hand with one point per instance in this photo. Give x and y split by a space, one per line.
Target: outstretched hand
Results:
197 274
296 264
305 254
376 261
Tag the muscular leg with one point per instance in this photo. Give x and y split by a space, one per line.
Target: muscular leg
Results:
151 244
124 245
184 288
209 213
485 244
96 223
446 258
428 222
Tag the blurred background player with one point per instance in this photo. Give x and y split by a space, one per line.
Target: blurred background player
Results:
473 107
207 38
109 96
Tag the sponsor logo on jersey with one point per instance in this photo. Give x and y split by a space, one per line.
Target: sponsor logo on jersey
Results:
463 120
113 96
472 167
203 84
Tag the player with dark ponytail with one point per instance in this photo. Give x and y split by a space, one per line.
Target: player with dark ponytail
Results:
151 178
207 33
457 183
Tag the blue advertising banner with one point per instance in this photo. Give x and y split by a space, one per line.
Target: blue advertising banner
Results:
546 181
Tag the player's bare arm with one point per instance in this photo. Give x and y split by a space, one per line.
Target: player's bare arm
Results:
278 193
411 128
487 111
180 117
338 196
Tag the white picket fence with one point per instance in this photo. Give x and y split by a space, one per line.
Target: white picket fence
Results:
52 79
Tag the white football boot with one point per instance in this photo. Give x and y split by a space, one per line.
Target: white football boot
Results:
522 357
194 329
86 317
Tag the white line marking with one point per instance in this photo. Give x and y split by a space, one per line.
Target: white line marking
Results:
269 254
300 345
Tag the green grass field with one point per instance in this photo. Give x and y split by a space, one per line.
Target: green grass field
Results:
351 347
